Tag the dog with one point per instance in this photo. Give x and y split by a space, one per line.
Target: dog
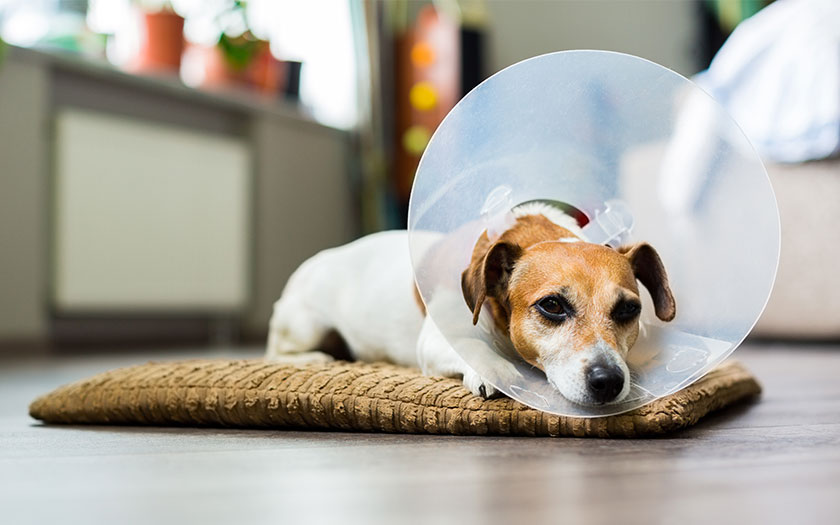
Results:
570 308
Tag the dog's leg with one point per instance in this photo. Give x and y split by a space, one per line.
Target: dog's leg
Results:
437 358
294 332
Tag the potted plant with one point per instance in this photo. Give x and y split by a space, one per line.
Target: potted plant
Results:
241 58
161 38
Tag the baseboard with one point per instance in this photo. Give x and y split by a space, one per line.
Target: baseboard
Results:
30 346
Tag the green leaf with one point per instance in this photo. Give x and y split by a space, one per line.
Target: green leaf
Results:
238 51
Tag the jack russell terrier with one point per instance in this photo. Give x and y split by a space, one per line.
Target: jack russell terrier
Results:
569 307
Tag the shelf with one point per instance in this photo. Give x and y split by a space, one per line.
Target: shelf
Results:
240 100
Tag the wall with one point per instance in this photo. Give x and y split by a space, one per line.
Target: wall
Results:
23 201
303 205
662 31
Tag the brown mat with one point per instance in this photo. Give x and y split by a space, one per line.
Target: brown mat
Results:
356 397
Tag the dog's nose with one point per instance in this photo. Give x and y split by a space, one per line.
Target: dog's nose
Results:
605 382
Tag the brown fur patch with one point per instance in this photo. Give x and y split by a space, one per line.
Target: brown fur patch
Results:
649 270
530 262
527 231
591 277
420 303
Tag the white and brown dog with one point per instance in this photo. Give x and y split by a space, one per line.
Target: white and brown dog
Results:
570 308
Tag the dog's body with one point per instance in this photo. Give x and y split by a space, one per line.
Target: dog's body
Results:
363 290
552 294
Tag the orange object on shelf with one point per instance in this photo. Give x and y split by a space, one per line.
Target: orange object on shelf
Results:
161 42
263 73
266 73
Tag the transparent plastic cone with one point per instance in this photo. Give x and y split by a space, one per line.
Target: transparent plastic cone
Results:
647 156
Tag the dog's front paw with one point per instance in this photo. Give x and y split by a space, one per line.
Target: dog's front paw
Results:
478 386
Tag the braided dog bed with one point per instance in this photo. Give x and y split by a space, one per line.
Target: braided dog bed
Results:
353 397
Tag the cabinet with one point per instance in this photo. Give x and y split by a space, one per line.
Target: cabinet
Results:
135 199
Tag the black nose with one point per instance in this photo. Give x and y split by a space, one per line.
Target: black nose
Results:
604 382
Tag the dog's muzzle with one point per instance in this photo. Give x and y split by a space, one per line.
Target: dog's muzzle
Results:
604 382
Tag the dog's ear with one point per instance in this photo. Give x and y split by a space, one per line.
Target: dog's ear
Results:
488 273
649 270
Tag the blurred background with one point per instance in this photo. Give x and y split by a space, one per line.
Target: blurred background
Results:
166 165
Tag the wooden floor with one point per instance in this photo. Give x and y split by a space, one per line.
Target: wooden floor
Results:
774 461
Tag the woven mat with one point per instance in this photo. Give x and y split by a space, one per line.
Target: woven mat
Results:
353 397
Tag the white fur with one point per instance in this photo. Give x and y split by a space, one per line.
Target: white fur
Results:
555 215
364 290
566 370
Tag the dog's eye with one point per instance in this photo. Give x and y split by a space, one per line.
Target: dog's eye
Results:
554 308
626 311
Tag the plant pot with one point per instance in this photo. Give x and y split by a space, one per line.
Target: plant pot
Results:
257 69
265 73
161 42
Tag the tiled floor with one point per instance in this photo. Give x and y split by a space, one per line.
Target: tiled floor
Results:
773 461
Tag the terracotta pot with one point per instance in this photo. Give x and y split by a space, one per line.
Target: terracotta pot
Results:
161 42
263 72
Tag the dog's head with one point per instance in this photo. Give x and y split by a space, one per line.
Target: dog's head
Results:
570 308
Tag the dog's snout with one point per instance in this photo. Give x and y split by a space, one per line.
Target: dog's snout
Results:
605 382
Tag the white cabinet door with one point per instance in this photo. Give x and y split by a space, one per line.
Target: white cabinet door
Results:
148 217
